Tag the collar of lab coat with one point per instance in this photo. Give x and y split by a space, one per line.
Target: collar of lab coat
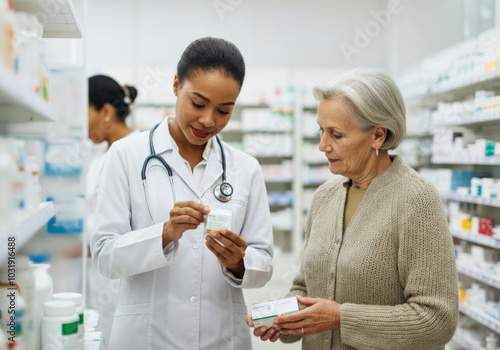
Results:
166 146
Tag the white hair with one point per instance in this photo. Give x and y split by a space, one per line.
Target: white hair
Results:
375 98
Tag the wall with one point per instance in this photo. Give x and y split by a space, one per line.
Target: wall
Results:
279 33
274 34
423 28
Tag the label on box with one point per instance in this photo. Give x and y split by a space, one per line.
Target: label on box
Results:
218 219
263 314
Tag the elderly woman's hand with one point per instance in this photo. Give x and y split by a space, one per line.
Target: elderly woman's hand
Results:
320 315
262 332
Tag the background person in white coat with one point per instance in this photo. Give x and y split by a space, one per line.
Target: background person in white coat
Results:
175 291
109 106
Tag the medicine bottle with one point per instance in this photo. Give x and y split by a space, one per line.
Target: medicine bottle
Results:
25 279
77 298
3 340
59 325
491 342
43 287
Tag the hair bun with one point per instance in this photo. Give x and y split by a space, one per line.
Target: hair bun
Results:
130 93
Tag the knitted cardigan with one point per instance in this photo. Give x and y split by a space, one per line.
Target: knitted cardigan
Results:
393 269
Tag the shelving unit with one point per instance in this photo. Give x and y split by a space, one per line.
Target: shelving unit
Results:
478 118
479 239
235 133
466 160
18 103
479 275
492 202
24 228
58 17
463 343
481 317
483 125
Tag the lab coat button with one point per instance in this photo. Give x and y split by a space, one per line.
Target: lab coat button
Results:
196 246
192 299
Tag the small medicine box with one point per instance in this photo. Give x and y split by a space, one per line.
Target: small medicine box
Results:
218 219
263 314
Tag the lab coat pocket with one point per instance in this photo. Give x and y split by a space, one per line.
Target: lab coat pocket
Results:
238 208
241 331
130 327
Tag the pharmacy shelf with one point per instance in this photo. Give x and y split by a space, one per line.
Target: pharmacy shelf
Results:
463 343
466 160
316 162
422 135
458 88
492 202
271 157
478 118
24 228
481 317
18 103
276 205
479 275
277 181
479 239
314 137
58 17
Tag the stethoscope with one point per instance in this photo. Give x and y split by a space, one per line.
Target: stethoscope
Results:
223 192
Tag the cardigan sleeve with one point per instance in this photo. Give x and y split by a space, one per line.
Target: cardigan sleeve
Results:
428 276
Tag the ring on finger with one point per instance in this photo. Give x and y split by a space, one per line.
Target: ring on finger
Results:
303 330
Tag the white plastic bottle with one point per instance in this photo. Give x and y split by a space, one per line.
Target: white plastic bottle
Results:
25 279
44 288
491 342
3 340
77 298
59 325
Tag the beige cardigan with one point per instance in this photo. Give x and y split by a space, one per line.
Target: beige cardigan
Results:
393 270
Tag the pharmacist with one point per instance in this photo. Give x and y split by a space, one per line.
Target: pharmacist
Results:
180 288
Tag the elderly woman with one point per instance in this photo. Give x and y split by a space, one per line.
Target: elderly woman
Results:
378 269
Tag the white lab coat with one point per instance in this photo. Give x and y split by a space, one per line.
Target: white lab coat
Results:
179 297
102 292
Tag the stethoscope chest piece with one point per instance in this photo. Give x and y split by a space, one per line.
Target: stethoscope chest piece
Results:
223 192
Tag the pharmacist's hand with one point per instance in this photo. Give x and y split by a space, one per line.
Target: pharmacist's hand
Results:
231 254
265 334
320 315
183 216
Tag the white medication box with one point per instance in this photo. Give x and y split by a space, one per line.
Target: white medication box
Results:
218 219
263 314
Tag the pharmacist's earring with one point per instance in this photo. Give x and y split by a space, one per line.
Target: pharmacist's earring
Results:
376 151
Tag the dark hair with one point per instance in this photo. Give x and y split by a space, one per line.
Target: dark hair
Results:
211 54
103 89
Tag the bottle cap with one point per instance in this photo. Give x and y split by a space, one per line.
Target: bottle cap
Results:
77 298
59 308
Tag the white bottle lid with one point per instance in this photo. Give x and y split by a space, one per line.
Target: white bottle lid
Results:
77 298
59 308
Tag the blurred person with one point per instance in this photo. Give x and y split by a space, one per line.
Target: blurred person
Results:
378 268
109 106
